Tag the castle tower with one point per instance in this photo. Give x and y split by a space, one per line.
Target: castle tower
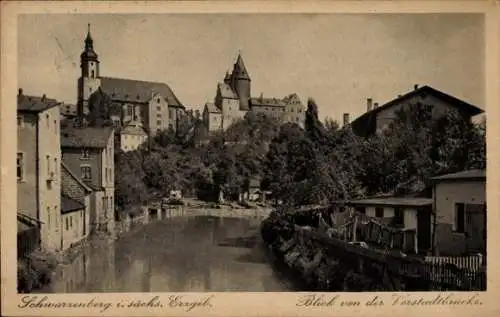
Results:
241 83
89 80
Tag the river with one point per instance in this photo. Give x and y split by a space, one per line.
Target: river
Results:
179 254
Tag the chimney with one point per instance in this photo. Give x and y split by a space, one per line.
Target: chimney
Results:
375 105
415 87
20 91
369 104
346 119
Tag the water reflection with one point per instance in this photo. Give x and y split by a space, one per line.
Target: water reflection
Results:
192 254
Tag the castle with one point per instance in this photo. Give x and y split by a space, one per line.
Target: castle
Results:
153 105
233 100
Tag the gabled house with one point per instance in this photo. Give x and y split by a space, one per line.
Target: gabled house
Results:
76 207
38 166
89 153
378 118
460 208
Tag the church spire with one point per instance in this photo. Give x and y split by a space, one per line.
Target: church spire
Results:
89 53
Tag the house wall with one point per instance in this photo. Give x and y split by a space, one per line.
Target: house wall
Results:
49 180
75 191
295 113
388 115
108 183
447 241
27 145
174 116
73 227
131 142
214 121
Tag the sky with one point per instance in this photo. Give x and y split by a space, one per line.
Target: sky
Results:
340 60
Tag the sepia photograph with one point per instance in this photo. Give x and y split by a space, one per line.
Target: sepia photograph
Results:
250 152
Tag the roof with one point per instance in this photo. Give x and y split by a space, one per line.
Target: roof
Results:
269 102
76 178
69 205
137 91
226 91
239 68
368 118
211 108
89 137
34 104
475 174
393 201
133 128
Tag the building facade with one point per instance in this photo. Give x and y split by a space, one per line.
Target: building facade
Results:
131 136
38 165
89 153
233 100
460 208
120 100
379 118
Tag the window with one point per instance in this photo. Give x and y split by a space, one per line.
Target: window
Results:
48 164
379 212
55 165
20 122
48 121
56 212
130 111
158 108
71 221
48 217
85 154
55 126
460 217
158 122
104 204
171 113
86 172
20 166
107 177
398 217
92 74
67 223
158 100
291 110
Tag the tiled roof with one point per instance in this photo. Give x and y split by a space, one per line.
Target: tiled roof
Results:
34 104
133 128
268 102
73 175
212 108
69 205
393 201
90 137
226 91
368 118
470 174
137 91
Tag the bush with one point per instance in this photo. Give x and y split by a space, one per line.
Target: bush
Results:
35 271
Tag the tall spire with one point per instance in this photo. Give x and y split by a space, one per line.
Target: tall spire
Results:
89 53
240 70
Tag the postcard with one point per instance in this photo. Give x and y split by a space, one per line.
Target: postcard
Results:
270 158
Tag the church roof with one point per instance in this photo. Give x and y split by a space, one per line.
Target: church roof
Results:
137 91
226 91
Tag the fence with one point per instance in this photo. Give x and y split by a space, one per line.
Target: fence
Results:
471 263
27 241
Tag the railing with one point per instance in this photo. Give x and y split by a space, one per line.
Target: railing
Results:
471 263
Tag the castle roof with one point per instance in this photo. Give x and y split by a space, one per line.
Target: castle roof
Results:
88 137
268 102
240 71
226 91
212 108
137 91
34 104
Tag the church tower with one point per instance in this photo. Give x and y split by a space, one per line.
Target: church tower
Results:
241 83
89 80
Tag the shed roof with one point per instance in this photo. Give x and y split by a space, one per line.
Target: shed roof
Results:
478 174
393 201
70 205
